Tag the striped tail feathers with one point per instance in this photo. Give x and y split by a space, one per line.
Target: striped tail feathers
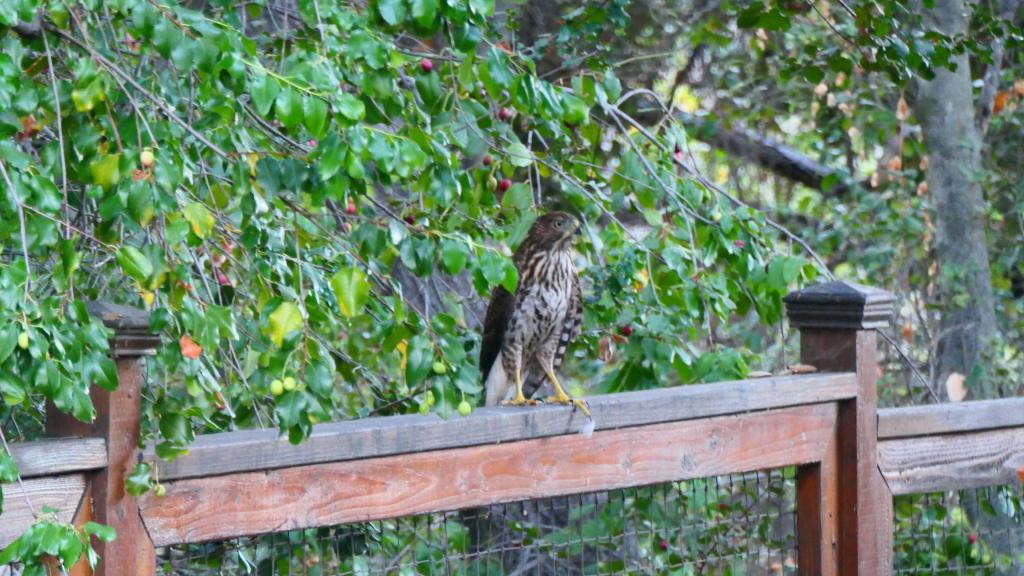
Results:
497 384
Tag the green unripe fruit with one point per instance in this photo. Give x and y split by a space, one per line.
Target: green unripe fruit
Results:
277 387
289 383
424 408
160 490
146 158
439 367
464 408
23 340
429 396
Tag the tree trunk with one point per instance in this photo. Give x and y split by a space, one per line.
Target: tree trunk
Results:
945 108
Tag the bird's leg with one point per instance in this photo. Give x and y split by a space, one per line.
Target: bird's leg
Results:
561 397
519 399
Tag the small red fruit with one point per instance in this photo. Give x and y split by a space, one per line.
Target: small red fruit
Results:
504 185
426 65
663 544
504 114
739 243
488 160
626 330
409 219
972 538
223 279
312 142
351 208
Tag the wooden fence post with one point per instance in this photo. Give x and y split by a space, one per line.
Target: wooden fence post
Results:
117 421
844 501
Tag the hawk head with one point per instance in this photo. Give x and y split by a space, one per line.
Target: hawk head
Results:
554 231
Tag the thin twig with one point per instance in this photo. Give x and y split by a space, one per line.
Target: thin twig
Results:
910 364
21 220
60 136
163 106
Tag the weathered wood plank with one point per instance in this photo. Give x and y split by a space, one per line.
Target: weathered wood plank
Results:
201 509
951 461
950 417
54 456
62 493
373 437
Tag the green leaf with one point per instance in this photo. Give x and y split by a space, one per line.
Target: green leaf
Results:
518 197
351 107
12 390
424 12
354 166
453 256
134 263
106 171
285 319
288 107
332 155
419 360
8 469
351 289
519 155
316 116
411 158
575 110
497 73
289 408
264 90
136 483
391 11
200 219
175 427
8 340
103 532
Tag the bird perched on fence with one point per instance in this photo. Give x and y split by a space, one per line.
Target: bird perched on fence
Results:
526 334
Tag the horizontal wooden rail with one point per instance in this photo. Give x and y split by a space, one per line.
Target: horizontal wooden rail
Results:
62 493
252 450
55 456
219 507
949 418
951 446
951 461
52 471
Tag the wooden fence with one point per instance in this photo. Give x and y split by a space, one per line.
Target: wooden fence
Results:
851 458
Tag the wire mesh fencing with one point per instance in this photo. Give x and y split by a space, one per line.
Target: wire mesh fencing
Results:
729 525
977 531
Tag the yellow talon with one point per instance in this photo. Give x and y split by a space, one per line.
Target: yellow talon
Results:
561 397
519 399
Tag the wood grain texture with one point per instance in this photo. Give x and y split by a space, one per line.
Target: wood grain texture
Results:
54 456
951 461
196 510
950 417
132 553
817 508
263 449
62 493
863 502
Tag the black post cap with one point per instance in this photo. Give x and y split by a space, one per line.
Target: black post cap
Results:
132 336
839 305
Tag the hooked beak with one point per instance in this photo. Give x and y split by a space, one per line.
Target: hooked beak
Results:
579 231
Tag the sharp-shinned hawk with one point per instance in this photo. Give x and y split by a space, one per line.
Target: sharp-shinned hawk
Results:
526 334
